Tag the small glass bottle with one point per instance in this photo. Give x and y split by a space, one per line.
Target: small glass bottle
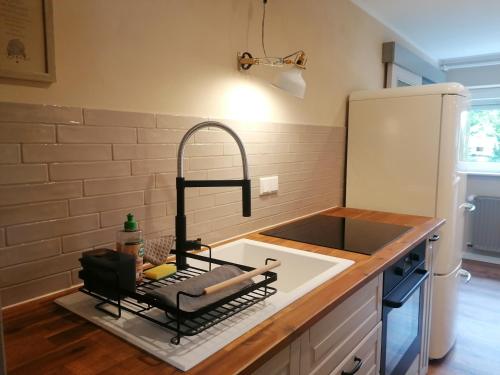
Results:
130 240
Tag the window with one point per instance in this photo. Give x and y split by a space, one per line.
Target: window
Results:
480 150
401 77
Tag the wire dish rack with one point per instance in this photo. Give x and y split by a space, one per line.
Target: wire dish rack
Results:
180 322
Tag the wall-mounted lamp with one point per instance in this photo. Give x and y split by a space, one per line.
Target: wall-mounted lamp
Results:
290 80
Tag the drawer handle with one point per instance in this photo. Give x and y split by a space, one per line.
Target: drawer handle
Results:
358 362
434 238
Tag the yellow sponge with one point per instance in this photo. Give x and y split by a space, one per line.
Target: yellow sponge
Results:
160 272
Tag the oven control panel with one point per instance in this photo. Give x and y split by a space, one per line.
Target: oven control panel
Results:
404 267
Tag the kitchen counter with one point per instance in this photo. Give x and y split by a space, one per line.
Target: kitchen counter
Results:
42 335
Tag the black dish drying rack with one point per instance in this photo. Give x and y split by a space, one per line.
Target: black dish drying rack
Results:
180 322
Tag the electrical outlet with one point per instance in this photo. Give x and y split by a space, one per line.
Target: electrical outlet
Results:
268 185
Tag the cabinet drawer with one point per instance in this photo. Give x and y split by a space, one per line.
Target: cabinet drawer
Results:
331 340
368 352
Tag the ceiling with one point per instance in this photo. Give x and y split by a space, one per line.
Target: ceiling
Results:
442 29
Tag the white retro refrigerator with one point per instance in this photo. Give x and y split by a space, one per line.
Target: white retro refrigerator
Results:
402 153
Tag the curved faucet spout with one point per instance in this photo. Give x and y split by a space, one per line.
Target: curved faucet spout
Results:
182 245
210 124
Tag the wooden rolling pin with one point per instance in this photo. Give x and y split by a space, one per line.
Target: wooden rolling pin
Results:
238 279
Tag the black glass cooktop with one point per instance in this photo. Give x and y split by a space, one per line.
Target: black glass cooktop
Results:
359 236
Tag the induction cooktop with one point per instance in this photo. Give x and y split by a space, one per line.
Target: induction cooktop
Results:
359 236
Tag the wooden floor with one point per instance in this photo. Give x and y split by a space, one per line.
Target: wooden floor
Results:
477 351
47 339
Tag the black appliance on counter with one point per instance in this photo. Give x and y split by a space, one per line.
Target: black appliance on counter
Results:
402 312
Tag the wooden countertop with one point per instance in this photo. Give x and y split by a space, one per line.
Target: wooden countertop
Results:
42 337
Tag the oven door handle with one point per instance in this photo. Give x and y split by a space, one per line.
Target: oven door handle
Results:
398 296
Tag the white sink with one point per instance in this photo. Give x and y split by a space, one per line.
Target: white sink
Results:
299 273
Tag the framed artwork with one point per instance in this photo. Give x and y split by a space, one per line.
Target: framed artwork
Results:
27 40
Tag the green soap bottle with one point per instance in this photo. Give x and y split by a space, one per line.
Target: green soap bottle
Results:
130 240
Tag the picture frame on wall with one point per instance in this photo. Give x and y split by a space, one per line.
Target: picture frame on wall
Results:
27 40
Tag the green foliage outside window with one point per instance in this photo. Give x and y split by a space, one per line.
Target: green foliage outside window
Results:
483 136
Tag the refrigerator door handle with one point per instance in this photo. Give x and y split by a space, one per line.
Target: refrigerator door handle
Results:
468 206
465 274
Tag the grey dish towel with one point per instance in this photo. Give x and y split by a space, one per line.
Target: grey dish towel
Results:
196 285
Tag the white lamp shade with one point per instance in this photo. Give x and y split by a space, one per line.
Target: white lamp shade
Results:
291 81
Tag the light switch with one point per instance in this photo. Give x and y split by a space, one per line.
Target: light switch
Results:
268 185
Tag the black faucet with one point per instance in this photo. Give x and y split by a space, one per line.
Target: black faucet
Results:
181 243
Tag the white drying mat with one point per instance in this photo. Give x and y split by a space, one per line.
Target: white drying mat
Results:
155 339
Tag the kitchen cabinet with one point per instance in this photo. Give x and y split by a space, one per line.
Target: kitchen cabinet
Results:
350 333
286 362
365 358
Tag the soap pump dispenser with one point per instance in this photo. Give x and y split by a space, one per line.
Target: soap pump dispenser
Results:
130 240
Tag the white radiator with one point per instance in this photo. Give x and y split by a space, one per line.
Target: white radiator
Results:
486 224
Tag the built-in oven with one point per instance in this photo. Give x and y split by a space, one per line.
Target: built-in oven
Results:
402 308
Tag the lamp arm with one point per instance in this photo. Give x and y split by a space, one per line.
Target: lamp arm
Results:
273 61
246 60
299 53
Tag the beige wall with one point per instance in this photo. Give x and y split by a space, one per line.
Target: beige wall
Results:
179 57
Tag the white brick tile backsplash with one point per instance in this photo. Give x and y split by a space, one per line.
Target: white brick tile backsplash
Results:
104 164
177 122
166 195
52 114
251 148
160 224
199 202
23 173
10 215
40 268
144 151
117 217
35 288
204 149
78 171
47 229
27 133
208 214
225 173
118 185
212 135
88 240
28 252
212 162
172 136
101 203
159 195
75 278
228 197
149 166
106 117
95 134
168 179
60 153
18 194
10 153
